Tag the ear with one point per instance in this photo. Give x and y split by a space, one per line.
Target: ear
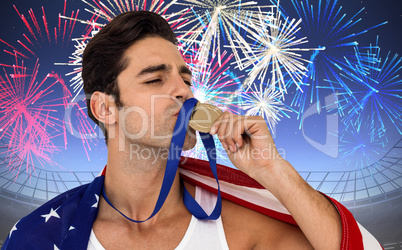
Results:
103 108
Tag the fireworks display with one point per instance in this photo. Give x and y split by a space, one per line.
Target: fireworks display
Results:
324 74
328 27
273 55
41 36
267 103
273 60
375 90
28 122
34 96
220 23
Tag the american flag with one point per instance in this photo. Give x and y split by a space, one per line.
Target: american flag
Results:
65 222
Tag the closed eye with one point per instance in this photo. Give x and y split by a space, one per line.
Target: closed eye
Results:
188 83
153 81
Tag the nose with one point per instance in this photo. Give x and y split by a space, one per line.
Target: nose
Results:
181 90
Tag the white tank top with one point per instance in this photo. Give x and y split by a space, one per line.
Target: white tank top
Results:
200 234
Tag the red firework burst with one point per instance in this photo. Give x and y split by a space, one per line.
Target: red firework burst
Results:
41 35
28 123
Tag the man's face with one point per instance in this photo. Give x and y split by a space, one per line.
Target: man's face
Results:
152 89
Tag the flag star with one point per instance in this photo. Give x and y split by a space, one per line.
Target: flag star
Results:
97 201
71 228
13 229
55 247
50 214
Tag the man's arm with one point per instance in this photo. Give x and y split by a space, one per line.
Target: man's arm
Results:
315 215
251 149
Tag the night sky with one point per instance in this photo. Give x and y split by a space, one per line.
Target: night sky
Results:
289 138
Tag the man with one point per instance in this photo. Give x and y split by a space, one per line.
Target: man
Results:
136 82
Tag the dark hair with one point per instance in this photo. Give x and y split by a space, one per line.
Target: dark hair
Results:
103 59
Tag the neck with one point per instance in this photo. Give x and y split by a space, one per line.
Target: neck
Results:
133 183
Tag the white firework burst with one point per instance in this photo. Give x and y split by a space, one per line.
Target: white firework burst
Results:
219 19
265 103
272 53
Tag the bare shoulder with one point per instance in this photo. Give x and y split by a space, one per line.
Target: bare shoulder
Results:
247 229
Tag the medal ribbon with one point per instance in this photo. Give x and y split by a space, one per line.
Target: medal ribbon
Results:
176 147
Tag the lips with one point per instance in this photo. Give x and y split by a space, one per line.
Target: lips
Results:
175 110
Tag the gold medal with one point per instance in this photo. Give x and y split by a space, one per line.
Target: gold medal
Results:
204 115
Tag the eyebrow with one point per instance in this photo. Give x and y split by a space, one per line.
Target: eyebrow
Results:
163 67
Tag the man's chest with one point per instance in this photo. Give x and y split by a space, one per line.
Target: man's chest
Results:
116 236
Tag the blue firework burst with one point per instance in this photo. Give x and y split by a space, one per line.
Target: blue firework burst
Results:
329 27
374 88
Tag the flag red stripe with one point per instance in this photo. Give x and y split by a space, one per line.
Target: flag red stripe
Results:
271 213
225 173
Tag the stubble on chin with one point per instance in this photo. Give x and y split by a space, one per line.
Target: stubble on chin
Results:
190 140
158 132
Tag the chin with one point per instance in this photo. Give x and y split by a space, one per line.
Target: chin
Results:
190 140
187 147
